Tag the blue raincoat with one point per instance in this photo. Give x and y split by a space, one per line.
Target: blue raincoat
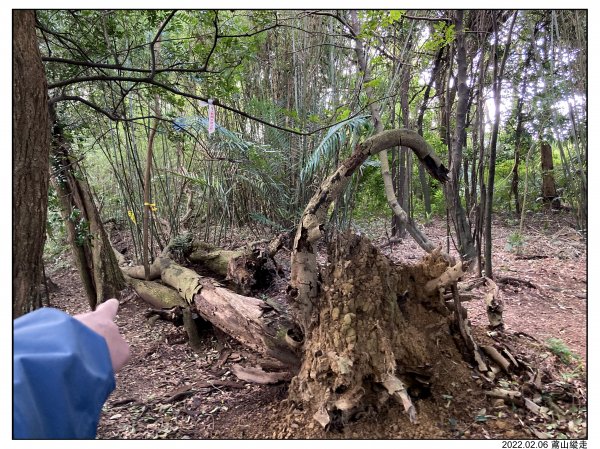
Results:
62 375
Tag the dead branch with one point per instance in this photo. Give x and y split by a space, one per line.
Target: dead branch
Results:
515 281
497 357
258 375
449 277
494 307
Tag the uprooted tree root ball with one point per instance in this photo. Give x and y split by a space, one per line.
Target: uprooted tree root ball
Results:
380 336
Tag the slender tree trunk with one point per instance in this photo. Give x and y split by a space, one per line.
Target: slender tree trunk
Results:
147 200
520 120
422 178
413 230
549 195
31 144
459 218
497 82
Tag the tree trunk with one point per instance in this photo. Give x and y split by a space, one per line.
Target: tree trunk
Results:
148 206
94 256
520 120
549 195
497 87
31 146
422 147
422 177
463 230
248 269
254 323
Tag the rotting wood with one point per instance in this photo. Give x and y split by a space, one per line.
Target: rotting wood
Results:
493 305
514 397
138 272
304 287
192 331
155 294
258 375
248 268
371 336
449 277
242 317
497 357
515 281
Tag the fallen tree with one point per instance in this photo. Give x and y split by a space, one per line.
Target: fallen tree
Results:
253 322
248 269
359 330
372 330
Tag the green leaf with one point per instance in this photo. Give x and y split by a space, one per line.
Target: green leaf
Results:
395 15
374 83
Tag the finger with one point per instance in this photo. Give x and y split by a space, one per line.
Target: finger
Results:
108 308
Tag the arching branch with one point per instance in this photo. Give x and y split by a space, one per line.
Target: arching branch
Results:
304 285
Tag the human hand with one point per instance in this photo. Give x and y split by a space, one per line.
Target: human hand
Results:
102 322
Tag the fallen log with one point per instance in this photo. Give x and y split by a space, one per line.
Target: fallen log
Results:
137 271
213 258
248 268
258 375
249 320
156 295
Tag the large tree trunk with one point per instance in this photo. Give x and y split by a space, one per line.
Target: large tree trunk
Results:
94 256
31 145
253 322
248 269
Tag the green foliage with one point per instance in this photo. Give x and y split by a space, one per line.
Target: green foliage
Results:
515 242
82 227
370 197
338 138
443 35
561 350
56 243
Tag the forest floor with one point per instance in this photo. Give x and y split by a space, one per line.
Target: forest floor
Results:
167 391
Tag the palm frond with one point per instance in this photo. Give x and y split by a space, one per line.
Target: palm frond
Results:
337 138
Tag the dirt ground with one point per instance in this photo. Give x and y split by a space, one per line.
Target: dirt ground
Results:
167 391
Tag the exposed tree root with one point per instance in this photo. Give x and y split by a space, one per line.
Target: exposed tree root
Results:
380 334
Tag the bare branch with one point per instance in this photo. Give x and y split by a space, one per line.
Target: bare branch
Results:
155 40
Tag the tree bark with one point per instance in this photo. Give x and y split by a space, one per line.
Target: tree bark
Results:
251 321
434 167
147 201
31 147
520 121
379 334
463 230
549 194
94 256
497 82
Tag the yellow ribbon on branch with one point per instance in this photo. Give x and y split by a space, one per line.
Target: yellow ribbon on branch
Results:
152 206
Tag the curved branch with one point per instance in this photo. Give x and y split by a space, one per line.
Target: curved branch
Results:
215 40
304 285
